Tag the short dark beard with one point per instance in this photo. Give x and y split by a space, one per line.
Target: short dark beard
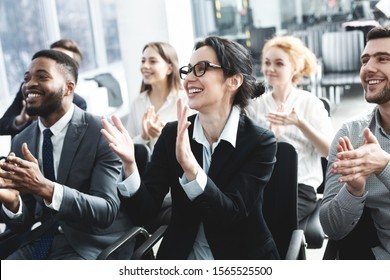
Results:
381 98
50 106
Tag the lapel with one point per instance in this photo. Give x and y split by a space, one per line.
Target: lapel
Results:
222 154
73 137
31 139
220 158
225 154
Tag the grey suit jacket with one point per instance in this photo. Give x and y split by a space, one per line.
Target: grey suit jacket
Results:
90 213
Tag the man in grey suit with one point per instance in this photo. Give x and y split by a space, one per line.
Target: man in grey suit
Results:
81 202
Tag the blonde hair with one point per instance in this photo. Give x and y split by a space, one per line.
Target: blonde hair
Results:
301 57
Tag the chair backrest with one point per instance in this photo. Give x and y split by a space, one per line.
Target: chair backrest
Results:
341 51
142 157
280 197
324 161
258 37
113 88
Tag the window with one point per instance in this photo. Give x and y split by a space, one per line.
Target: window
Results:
21 35
110 27
75 23
27 26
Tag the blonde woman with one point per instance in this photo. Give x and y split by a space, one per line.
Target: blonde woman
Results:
296 116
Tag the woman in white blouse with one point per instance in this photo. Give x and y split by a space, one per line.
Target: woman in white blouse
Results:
160 89
296 116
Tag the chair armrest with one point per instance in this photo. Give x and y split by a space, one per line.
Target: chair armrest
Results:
7 233
147 246
297 248
135 232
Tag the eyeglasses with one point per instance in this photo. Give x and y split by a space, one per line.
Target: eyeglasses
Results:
3 159
199 69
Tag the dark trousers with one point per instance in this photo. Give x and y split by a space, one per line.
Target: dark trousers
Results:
307 198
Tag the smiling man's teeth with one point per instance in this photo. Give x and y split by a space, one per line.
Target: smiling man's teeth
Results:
374 82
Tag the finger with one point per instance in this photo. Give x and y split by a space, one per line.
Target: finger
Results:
349 178
149 112
118 124
107 135
112 128
348 143
179 108
343 145
156 119
27 155
369 137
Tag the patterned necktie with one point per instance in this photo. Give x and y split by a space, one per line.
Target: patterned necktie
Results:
47 155
41 247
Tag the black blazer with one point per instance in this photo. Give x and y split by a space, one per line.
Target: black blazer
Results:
230 206
7 120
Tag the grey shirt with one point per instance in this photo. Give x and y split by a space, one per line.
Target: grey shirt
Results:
340 210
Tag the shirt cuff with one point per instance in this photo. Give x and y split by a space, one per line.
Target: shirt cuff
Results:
56 200
384 176
139 140
349 202
195 187
129 186
11 214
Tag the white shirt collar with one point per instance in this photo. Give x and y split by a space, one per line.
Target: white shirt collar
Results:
60 124
229 132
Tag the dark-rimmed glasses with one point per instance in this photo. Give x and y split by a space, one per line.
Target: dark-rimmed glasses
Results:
199 69
3 159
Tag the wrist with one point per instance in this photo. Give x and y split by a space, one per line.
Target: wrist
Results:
355 192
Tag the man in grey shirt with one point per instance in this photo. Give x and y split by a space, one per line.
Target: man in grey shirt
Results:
358 174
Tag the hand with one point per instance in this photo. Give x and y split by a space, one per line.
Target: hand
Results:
23 117
184 154
276 128
355 165
8 196
282 118
120 143
151 124
25 175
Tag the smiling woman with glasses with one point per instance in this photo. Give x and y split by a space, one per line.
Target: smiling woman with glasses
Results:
198 69
216 163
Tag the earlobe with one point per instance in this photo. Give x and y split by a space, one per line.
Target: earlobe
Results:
236 81
169 69
70 88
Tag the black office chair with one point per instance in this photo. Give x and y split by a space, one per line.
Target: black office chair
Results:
142 157
280 206
257 39
357 244
10 241
311 225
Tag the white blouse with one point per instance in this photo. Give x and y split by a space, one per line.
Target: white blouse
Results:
311 108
